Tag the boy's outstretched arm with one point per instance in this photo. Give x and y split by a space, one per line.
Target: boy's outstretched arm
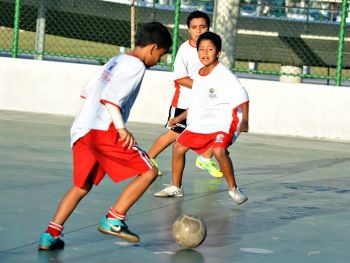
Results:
245 117
118 122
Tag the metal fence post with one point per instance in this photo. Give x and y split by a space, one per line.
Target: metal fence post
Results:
16 29
40 30
342 27
225 24
132 24
175 33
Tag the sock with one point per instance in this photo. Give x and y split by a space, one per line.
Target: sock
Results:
204 160
54 229
113 214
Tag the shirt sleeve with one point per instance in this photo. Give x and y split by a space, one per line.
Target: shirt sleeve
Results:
90 84
238 94
125 79
180 65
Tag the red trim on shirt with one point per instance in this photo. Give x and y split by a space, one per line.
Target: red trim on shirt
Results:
176 96
191 44
83 97
129 54
177 80
203 75
235 121
106 101
242 104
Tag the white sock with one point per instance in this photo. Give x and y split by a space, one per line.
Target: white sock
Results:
204 160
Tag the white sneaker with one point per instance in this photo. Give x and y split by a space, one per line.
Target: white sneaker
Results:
237 195
170 191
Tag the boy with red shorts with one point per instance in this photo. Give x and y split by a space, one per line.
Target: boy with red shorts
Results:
217 113
186 65
101 143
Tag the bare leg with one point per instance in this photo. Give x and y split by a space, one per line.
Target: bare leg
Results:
178 163
208 153
162 142
226 166
134 191
70 202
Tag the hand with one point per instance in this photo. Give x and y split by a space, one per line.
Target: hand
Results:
126 136
172 122
244 126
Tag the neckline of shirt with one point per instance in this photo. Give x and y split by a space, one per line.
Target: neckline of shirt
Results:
204 75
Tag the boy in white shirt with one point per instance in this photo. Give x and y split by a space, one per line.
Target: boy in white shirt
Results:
186 65
217 113
101 144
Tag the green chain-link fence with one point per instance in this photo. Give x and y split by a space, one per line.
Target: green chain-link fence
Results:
295 38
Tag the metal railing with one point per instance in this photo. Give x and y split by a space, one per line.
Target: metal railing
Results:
306 39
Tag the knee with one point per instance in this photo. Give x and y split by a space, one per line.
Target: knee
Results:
179 150
219 153
82 191
150 175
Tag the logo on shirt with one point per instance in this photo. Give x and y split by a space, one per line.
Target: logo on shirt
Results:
212 93
219 138
107 73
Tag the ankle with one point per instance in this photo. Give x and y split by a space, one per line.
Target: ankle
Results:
203 159
54 229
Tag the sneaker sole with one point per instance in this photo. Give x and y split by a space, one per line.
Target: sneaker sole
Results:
168 195
200 167
48 248
216 176
43 248
128 238
242 202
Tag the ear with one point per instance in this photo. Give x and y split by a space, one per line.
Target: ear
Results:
153 48
218 54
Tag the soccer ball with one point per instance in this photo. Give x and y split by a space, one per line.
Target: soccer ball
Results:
189 231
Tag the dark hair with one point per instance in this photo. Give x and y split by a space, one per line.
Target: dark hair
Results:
198 14
154 33
216 39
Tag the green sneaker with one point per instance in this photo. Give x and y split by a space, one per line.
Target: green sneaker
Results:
210 166
48 242
117 228
157 167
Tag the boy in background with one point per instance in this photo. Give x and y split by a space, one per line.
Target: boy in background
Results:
185 66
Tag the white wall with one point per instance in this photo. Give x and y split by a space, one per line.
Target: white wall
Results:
276 108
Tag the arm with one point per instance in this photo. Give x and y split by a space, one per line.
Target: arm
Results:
172 122
186 82
118 122
181 74
245 118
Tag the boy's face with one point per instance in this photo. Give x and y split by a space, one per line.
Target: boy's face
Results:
197 27
207 52
153 55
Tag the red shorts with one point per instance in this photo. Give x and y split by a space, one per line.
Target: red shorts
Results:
100 152
200 142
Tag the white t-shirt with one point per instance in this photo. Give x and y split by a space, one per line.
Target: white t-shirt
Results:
118 82
186 64
214 98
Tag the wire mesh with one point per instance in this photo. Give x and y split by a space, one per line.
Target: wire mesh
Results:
297 38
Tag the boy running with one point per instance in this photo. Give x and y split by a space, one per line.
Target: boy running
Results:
217 113
186 65
101 143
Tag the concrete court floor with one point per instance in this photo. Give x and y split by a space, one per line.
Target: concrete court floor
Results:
298 208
